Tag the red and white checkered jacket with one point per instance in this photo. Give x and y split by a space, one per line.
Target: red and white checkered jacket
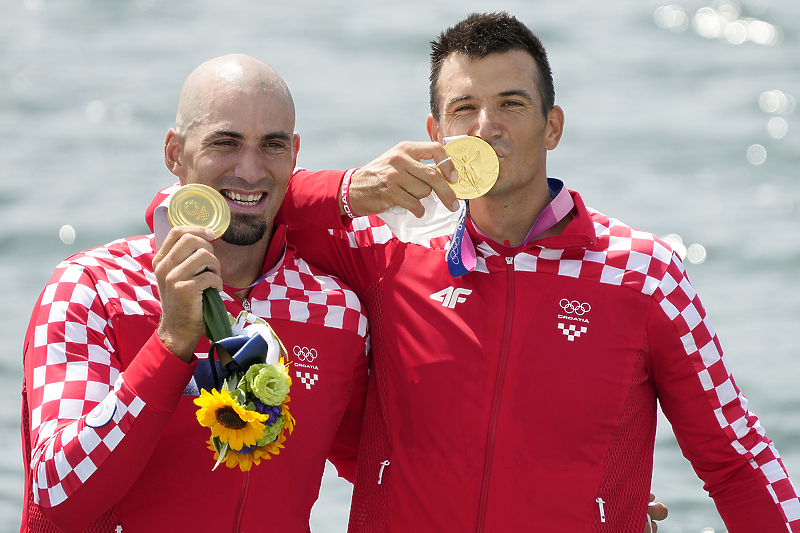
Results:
522 396
91 340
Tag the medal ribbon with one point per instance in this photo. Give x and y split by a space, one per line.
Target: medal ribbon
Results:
461 257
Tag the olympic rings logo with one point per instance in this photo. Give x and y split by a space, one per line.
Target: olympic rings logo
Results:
307 355
575 306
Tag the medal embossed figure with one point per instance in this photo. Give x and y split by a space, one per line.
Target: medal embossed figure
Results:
200 205
476 164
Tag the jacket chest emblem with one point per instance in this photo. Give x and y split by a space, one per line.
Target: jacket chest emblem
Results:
572 321
305 369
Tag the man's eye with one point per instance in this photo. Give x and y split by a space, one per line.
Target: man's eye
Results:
224 143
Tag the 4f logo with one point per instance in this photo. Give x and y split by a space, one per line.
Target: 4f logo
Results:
451 296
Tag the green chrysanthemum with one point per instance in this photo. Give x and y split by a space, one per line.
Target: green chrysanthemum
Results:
271 432
270 383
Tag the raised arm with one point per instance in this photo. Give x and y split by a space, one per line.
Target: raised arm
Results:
396 178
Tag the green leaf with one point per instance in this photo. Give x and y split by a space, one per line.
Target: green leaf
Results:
223 454
215 315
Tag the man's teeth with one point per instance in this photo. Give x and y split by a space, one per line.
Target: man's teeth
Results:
244 199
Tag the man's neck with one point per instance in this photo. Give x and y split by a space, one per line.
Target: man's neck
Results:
242 265
507 219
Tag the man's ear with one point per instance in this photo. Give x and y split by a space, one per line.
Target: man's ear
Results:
173 154
555 127
433 129
296 147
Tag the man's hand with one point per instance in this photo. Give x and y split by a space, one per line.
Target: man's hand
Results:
184 266
655 511
398 178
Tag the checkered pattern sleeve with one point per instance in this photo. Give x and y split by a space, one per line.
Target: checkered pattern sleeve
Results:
93 423
721 437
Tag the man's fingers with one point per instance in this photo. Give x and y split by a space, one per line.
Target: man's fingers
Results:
438 175
657 511
176 234
200 266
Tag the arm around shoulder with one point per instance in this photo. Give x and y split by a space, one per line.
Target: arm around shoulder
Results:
312 200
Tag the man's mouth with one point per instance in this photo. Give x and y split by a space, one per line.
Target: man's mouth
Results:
243 199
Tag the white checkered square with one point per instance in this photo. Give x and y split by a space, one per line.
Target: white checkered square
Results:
791 509
139 247
522 263
58 312
70 409
298 311
726 393
136 406
611 275
85 469
550 254
569 268
638 262
334 318
115 276
113 438
56 353
710 354
89 439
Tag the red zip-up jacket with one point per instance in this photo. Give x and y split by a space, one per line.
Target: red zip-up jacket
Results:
522 396
148 469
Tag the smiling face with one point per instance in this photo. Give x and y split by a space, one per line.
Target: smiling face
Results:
496 98
239 139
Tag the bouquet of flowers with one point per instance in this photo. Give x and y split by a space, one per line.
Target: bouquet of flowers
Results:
248 413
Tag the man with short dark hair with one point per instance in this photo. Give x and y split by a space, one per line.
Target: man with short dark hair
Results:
519 392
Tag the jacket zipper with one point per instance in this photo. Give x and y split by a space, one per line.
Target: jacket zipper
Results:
246 484
498 394
242 498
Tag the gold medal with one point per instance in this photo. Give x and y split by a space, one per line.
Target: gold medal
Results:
476 164
199 205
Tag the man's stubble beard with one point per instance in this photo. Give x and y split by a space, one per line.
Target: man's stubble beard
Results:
245 230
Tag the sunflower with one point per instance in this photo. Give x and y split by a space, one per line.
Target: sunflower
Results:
228 420
246 457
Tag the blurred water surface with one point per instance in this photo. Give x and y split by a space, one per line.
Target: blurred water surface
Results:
680 120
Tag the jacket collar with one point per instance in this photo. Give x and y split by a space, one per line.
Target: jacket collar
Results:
579 233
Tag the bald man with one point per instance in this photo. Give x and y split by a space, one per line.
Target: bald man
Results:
109 427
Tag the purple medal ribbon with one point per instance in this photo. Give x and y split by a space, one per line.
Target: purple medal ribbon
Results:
461 257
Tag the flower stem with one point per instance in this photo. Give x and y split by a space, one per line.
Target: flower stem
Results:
215 316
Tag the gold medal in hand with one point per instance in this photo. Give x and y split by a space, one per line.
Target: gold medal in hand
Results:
476 164
199 205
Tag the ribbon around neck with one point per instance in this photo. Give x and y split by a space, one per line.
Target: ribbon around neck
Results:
461 256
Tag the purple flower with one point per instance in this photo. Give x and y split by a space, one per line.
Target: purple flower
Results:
272 411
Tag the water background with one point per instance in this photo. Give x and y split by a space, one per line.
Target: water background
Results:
658 127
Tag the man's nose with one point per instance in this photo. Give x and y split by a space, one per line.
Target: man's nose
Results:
487 126
250 166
